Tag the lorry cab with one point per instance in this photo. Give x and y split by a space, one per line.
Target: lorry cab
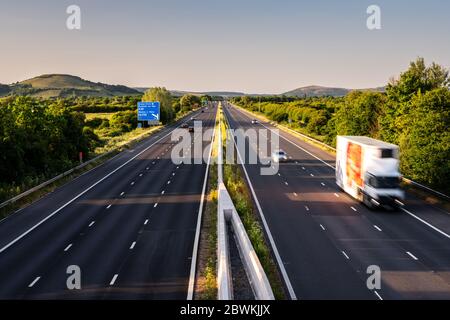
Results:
368 170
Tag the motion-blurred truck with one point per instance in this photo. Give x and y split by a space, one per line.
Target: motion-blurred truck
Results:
368 170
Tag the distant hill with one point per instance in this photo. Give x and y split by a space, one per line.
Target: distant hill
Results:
310 91
63 85
211 93
318 91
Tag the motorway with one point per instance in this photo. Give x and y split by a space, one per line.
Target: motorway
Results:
129 224
323 240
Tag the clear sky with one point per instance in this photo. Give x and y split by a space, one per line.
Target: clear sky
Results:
254 46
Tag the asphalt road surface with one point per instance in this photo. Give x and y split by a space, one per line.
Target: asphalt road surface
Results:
129 225
325 240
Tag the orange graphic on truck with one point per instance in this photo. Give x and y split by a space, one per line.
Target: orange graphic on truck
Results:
354 161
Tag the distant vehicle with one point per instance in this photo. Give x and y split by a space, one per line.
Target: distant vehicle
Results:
193 118
368 170
191 128
203 111
184 126
279 156
254 121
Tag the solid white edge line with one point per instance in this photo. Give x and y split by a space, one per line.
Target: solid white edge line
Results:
83 192
191 284
426 223
408 212
266 227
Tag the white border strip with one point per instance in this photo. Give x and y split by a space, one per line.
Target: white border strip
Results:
82 193
334 149
426 223
266 227
190 294
408 212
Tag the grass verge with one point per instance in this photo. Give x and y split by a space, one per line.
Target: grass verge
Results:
206 277
237 187
239 192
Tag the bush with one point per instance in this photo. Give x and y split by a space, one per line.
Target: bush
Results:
125 121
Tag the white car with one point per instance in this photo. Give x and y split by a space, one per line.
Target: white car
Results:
254 121
279 156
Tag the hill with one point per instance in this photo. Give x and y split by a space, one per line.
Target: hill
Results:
63 85
179 93
318 91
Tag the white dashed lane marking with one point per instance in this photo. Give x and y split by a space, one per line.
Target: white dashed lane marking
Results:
113 279
412 256
34 282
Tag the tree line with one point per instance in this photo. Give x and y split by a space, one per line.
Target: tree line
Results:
40 138
413 113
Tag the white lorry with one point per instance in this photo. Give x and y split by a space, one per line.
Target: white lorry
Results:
368 170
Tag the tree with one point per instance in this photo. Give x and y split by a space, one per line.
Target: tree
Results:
358 114
425 139
165 98
418 79
189 101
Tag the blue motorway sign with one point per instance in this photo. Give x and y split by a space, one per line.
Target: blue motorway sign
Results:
148 111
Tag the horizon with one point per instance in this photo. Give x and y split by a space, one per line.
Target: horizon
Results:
192 91
263 47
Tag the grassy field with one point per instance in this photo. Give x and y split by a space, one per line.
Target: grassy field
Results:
90 116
